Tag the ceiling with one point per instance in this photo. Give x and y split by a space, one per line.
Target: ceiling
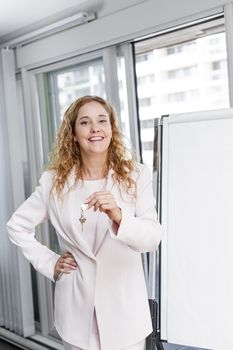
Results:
20 17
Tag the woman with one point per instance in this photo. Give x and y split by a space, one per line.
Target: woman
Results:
101 204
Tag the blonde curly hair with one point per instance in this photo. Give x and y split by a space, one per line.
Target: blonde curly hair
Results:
66 154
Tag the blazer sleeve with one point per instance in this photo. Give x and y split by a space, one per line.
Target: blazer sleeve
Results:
21 228
141 231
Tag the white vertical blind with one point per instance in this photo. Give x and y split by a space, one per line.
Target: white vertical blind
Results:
16 304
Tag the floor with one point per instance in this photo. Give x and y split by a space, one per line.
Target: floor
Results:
178 347
7 346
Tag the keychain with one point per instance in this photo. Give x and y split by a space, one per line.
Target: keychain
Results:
82 218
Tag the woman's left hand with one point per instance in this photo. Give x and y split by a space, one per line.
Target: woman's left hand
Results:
104 202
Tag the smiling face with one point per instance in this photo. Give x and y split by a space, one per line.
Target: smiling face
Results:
93 130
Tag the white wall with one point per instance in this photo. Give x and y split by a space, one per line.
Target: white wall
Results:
109 6
115 25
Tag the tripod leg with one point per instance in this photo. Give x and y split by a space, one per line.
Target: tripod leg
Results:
153 343
153 340
158 345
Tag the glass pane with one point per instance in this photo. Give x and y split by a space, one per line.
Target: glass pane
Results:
124 112
184 77
123 95
67 85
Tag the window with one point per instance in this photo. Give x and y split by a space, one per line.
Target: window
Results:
123 96
67 85
216 44
178 49
147 145
189 75
176 97
146 101
181 72
81 80
218 65
144 57
146 79
148 123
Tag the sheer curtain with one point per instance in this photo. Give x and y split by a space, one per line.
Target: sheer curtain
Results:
16 304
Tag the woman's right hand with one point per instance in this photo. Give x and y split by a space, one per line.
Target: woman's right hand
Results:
65 264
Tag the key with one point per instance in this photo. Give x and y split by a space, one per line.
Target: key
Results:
82 218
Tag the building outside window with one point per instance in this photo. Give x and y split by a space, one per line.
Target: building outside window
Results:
84 79
187 76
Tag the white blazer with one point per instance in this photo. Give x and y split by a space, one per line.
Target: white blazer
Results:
111 279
